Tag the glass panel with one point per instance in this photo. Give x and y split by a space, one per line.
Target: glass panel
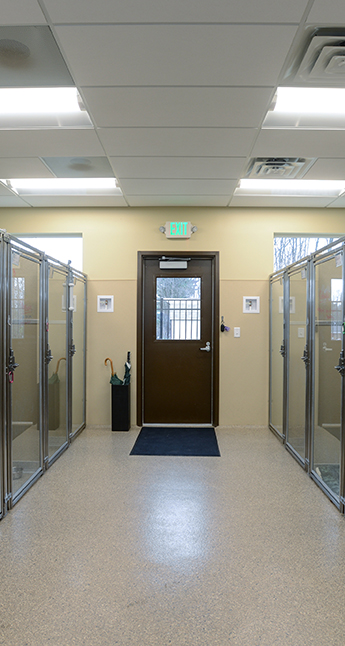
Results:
178 308
297 372
277 363
57 427
63 248
25 387
288 250
78 359
328 308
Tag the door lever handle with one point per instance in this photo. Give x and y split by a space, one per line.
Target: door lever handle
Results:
207 347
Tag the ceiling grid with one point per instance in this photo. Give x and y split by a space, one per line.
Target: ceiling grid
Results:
177 94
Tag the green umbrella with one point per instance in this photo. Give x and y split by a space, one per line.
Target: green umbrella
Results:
114 378
127 376
54 379
54 398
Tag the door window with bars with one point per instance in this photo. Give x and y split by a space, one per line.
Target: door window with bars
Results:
178 308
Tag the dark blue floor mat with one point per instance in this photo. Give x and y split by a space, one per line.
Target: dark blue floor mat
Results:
176 441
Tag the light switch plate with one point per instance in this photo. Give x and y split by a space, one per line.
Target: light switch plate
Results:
237 332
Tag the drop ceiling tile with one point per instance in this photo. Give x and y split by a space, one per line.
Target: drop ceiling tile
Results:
79 166
18 167
50 143
12 201
279 202
178 200
183 106
157 54
178 167
339 203
35 61
5 191
151 11
21 12
329 13
75 201
327 169
215 142
177 187
300 143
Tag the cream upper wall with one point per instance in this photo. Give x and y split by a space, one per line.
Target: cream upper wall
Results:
112 237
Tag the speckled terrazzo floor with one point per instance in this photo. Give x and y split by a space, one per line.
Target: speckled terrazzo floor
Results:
107 549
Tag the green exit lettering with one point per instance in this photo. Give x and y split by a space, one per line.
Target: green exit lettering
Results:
178 228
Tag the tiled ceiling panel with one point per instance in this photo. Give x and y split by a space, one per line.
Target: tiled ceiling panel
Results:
176 54
279 202
177 93
338 204
177 186
21 12
178 167
157 11
178 200
12 201
327 13
4 191
182 106
12 167
300 143
49 143
79 166
30 57
76 201
327 169
211 142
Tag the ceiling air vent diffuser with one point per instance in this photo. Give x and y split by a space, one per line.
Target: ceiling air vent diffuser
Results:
278 167
321 63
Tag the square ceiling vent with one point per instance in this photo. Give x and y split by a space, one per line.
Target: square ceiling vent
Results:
278 167
321 62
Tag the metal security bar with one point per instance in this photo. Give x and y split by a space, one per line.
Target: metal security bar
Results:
178 319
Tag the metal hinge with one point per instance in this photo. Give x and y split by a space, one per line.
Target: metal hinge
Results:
341 367
306 357
72 350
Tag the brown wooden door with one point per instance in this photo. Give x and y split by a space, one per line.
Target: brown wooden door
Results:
179 315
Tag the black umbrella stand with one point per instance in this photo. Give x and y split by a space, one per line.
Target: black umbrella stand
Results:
120 398
120 408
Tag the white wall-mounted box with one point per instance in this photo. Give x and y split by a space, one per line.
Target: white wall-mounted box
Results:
251 304
105 303
292 304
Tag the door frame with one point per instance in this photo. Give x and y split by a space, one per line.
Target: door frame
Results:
204 255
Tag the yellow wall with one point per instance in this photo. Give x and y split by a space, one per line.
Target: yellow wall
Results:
244 238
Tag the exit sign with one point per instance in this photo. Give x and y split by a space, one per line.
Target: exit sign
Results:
178 229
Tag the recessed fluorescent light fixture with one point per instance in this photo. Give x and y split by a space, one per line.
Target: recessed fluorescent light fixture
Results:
42 107
64 186
291 188
302 107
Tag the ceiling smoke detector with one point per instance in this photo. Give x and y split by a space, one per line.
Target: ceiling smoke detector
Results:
321 62
13 53
278 167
